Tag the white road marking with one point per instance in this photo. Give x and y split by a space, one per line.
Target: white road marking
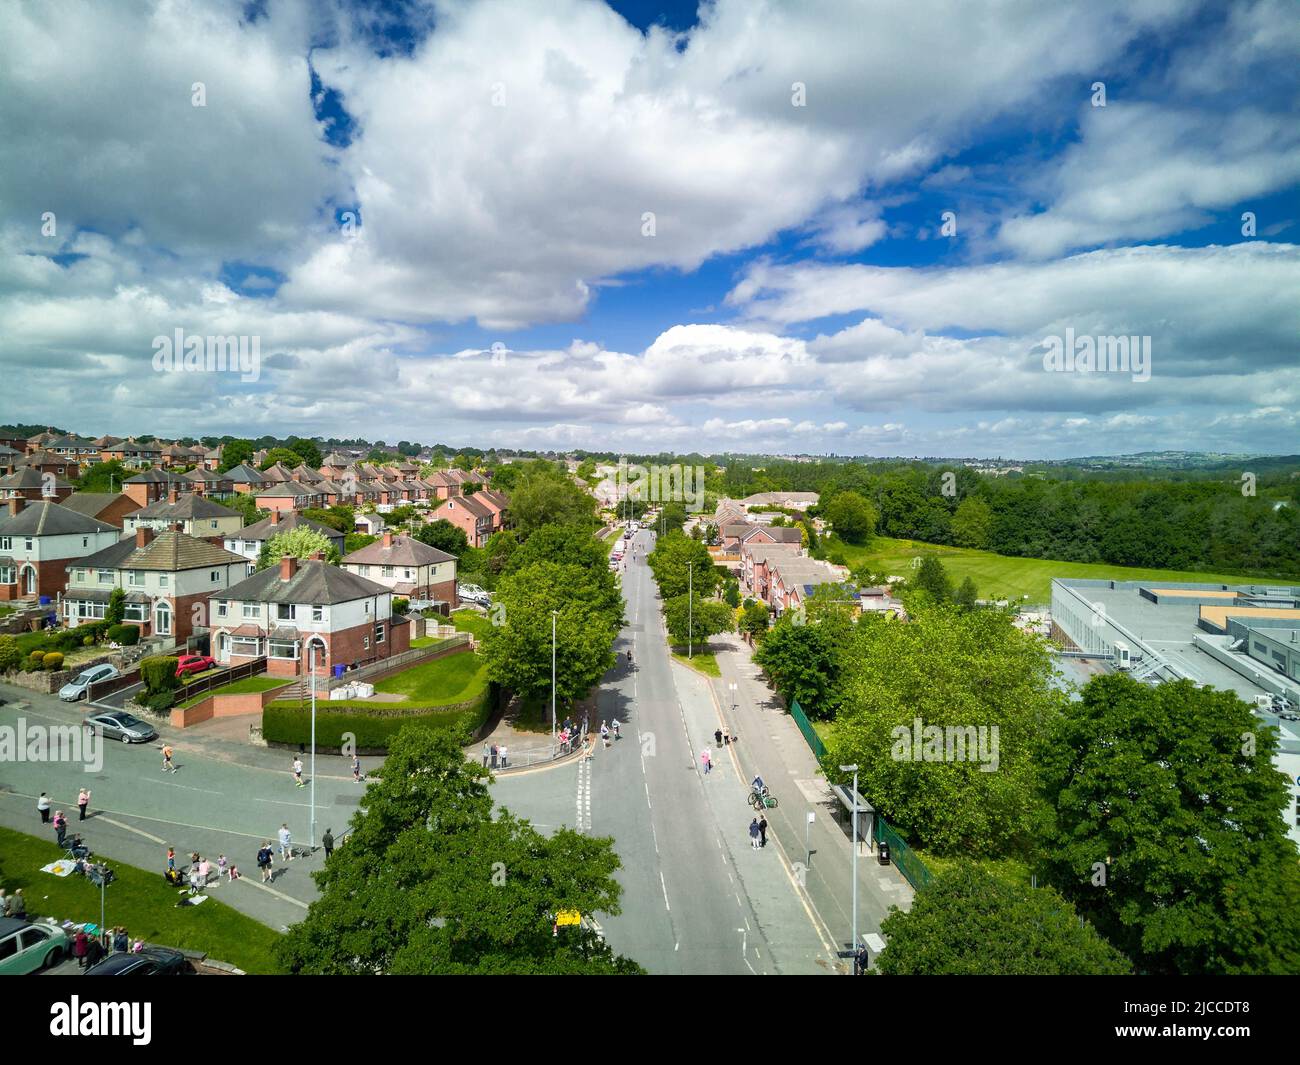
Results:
664 884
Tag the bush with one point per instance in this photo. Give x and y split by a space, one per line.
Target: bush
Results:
11 655
126 635
89 641
161 702
158 673
37 656
292 725
400 605
52 660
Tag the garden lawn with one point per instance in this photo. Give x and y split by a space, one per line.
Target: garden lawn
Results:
140 901
704 661
1002 576
471 621
442 682
239 687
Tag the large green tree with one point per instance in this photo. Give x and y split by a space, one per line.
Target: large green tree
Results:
445 536
289 458
545 495
300 542
851 517
986 687
104 477
1165 828
233 452
307 451
806 654
970 922
695 620
680 564
971 522
431 882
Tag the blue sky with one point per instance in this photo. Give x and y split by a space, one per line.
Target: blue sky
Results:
433 218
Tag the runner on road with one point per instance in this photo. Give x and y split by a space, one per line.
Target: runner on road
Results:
167 759
297 772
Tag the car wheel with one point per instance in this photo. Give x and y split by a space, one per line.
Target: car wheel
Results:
126 738
52 958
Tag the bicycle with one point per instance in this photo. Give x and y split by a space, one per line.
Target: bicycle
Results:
763 800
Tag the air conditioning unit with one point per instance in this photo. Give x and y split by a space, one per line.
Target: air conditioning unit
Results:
1123 655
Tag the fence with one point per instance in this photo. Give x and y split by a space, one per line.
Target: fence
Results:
912 868
220 680
809 733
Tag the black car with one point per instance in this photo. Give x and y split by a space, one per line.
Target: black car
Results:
152 961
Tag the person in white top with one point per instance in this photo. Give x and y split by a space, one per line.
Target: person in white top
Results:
286 851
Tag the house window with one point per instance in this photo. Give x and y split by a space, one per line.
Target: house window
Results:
223 608
85 541
80 575
106 576
379 634
246 646
318 613
6 543
162 580
284 611
408 573
367 608
215 576
6 574
284 649
365 571
28 543
365 642
252 610
213 523
135 612
135 578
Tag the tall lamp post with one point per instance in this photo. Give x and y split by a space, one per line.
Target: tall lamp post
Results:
690 607
554 615
854 770
311 666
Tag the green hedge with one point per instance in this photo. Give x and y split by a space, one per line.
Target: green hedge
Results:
126 635
159 673
292 724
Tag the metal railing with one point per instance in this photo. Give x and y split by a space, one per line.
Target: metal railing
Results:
912 868
809 733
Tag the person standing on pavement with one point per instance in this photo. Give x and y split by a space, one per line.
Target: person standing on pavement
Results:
60 826
717 736
494 756
505 756
264 861
83 800
43 808
286 844
487 753
753 833
327 841
79 947
171 859
706 760
762 830
861 961
18 906
356 769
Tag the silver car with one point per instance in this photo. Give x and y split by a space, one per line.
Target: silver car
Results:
119 725
79 686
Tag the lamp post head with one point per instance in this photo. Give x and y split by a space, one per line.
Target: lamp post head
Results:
848 769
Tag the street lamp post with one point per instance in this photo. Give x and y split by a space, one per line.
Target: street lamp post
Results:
690 607
554 615
311 665
732 686
854 770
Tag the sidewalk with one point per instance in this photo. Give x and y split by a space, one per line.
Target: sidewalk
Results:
770 744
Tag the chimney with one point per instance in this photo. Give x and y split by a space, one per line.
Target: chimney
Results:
143 534
171 495
275 516
316 556
16 504
174 526
288 567
388 539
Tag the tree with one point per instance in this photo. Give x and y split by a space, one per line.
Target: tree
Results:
280 454
943 713
445 536
116 609
307 451
500 548
104 477
355 541
969 922
807 653
932 578
755 619
672 517
233 452
518 651
432 881
680 563
852 517
11 654
331 518
971 523
300 542
546 496
1164 828
696 619
966 595
244 505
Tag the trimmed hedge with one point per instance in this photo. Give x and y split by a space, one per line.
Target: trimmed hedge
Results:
292 725
53 660
159 673
161 702
126 635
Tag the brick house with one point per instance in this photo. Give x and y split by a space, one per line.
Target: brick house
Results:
154 485
475 519
32 485
245 479
249 540
195 515
406 566
112 507
167 579
57 465
288 495
285 612
38 540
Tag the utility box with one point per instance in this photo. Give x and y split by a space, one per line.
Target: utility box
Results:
1123 655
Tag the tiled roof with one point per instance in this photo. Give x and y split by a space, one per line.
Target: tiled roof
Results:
92 504
171 551
403 551
30 477
50 519
264 530
188 506
314 582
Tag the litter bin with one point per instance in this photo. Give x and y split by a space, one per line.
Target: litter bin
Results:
338 670
882 853
45 600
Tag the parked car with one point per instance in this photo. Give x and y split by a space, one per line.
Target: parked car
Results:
194 664
472 593
24 947
79 686
152 961
119 725
1288 715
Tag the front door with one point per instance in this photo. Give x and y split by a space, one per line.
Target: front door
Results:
29 587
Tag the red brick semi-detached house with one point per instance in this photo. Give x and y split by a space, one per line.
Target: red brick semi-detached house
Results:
38 540
165 577
407 567
289 611
27 482
466 514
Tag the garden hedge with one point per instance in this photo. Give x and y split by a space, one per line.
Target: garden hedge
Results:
126 635
292 724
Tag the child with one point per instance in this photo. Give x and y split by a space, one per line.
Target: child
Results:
171 859
234 874
222 864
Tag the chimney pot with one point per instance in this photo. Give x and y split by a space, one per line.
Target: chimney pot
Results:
143 534
16 504
388 539
171 495
275 516
288 567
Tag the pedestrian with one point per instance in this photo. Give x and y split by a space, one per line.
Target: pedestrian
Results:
706 760
4 903
753 833
861 961
94 950
616 735
726 735
43 808
120 940
356 769
167 759
223 864
205 870
487 753
196 882
717 736
297 772
83 800
494 756
60 826
80 944
286 844
171 859
604 732
234 874
505 757
18 906
762 829
264 861
327 841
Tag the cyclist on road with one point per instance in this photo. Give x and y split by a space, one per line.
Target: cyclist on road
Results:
758 785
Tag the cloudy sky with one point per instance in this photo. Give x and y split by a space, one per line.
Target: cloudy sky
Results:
751 225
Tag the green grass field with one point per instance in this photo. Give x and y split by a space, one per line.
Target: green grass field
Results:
703 661
442 682
1001 576
471 621
138 900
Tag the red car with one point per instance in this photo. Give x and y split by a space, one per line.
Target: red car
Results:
194 664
